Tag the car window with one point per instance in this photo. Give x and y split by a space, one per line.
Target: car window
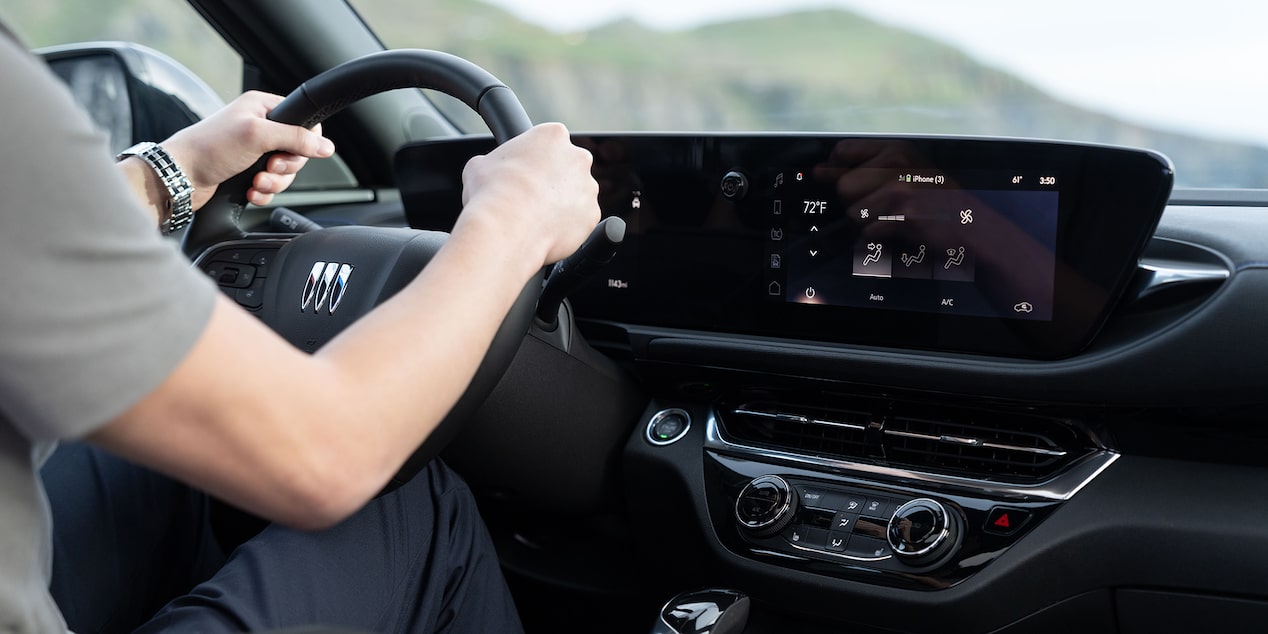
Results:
1184 81
173 28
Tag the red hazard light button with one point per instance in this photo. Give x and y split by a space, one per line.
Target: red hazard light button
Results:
1005 521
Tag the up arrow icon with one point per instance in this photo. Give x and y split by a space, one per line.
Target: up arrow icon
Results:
814 228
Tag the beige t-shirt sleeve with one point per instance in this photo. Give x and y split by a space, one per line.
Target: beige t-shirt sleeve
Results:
96 308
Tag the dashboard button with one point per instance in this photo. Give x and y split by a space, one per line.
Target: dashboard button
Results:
922 531
1005 521
837 541
765 506
853 504
817 498
806 536
667 426
878 508
734 185
843 521
869 547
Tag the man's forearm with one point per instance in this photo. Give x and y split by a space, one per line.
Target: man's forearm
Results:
309 439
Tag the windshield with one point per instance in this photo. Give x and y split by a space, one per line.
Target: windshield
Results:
1181 79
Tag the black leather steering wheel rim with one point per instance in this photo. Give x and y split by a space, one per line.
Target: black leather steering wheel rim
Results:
319 98
333 90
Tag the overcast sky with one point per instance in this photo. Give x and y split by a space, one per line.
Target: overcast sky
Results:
1198 67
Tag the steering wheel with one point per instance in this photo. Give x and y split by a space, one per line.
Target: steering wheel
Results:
370 264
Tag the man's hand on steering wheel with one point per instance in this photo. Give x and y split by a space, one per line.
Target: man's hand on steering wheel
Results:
233 139
543 218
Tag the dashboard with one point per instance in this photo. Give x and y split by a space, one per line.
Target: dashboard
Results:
1017 248
936 377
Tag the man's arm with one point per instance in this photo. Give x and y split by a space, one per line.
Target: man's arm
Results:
310 439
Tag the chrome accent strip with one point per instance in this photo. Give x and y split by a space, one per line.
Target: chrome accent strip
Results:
796 418
960 440
976 442
955 440
323 287
840 555
1167 273
910 434
792 418
832 423
341 285
1060 487
658 416
1035 450
310 287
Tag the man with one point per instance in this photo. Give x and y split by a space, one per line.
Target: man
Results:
106 334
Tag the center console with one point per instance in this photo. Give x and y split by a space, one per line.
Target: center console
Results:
884 492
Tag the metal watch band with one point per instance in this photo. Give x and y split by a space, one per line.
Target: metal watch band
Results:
180 192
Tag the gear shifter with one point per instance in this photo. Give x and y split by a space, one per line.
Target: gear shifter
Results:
712 611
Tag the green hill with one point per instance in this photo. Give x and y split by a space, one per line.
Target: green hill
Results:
810 70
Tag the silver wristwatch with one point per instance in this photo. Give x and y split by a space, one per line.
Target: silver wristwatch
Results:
180 192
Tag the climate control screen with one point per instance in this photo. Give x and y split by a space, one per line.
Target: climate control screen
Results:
974 243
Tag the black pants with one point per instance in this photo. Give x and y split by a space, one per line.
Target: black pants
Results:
134 549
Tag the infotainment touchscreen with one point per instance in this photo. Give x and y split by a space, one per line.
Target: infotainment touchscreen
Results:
987 246
970 242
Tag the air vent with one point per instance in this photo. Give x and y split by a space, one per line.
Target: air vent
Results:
969 443
1018 449
838 434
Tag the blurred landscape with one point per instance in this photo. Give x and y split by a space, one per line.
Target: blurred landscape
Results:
825 70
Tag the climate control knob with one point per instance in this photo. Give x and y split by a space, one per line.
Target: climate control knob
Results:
765 506
922 531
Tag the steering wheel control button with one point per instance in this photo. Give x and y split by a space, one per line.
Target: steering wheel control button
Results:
261 261
236 256
251 297
920 531
668 426
734 185
765 506
231 275
1005 521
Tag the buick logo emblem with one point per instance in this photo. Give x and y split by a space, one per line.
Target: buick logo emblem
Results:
325 287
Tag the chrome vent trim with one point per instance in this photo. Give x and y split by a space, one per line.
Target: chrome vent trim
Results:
977 442
1062 485
1159 274
795 418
